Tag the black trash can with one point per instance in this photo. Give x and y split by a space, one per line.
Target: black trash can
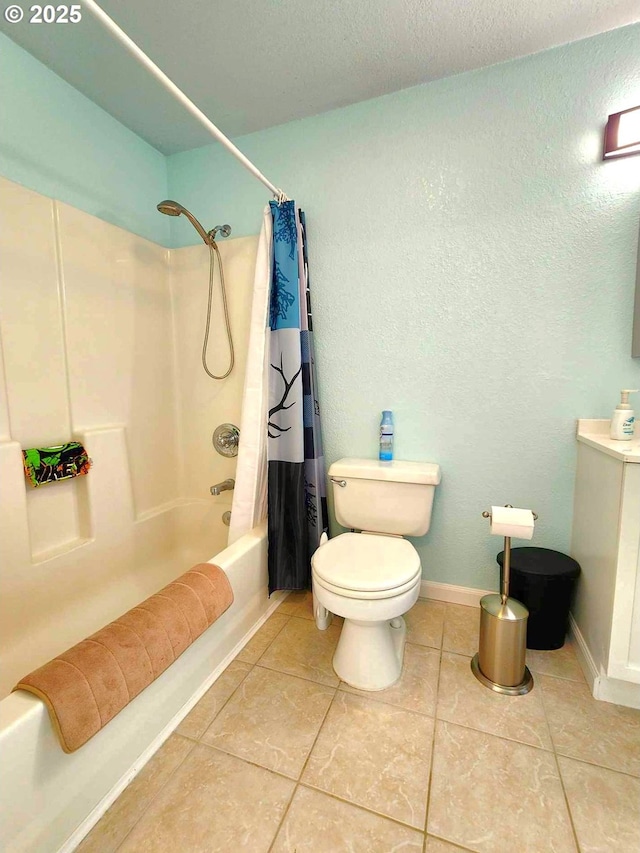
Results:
543 580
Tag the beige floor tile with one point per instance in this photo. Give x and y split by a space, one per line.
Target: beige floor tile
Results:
562 663
605 807
425 622
214 803
463 700
298 604
496 796
300 649
418 685
461 629
317 823
272 720
263 638
110 830
200 718
305 607
437 845
374 755
583 727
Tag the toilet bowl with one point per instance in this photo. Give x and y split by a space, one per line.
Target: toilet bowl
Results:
370 580
373 578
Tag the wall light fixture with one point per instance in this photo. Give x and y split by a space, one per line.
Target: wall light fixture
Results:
622 134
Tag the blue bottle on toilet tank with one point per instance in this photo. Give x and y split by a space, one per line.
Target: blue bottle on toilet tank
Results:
386 436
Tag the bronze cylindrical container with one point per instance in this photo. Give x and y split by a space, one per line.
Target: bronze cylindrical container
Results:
503 645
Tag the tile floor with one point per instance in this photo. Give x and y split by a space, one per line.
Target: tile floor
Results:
281 756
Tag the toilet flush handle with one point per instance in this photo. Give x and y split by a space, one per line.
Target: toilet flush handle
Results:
341 483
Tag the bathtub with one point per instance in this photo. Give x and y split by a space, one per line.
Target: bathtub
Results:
50 800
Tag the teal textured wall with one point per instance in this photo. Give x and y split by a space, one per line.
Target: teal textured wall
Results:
473 264
56 141
472 260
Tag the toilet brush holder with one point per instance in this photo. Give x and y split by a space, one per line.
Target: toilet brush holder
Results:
500 661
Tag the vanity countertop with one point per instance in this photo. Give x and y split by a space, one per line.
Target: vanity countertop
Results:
595 433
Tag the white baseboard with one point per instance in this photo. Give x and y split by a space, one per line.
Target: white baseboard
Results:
452 594
583 654
602 687
90 821
619 692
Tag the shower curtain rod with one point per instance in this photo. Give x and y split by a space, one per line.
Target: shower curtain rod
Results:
178 94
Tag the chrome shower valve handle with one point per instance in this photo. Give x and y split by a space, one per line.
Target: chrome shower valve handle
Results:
226 438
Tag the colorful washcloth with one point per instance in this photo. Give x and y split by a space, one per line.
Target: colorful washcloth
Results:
48 464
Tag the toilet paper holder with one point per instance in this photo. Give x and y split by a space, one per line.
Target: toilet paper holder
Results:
505 574
487 514
500 662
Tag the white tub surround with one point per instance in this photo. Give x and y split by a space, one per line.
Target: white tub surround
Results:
101 338
606 543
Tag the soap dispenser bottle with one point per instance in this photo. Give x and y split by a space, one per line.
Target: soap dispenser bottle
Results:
623 420
386 436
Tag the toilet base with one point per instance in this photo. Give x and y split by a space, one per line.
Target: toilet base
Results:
369 655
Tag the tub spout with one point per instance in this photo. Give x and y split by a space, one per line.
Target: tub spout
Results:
224 486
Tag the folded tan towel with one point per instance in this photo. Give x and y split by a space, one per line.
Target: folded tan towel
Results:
90 683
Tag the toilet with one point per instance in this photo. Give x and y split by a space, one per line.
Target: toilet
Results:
372 577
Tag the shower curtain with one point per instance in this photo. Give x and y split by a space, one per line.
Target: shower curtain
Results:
297 506
280 413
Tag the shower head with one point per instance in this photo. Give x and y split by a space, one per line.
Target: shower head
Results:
172 208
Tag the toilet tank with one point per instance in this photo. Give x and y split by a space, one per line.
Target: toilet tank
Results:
384 497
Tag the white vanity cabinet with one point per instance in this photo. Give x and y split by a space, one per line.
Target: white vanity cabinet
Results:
606 543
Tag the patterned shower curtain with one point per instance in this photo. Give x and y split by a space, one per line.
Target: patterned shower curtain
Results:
297 506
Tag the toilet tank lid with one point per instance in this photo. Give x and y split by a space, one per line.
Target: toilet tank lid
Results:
423 473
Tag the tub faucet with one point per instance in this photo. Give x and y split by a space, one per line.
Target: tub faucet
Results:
224 486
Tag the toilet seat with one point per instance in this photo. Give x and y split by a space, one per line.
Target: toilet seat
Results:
366 566
376 595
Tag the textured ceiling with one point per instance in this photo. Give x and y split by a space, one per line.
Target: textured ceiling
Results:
251 64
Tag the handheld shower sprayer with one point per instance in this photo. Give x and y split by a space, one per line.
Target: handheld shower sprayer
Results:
173 208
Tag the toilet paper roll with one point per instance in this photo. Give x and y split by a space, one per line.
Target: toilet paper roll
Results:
511 521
